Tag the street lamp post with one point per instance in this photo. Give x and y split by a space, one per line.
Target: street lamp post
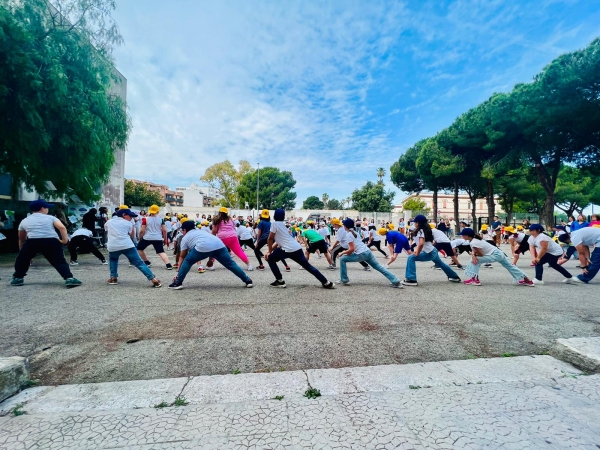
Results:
257 184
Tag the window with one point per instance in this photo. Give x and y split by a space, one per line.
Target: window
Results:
469 205
445 204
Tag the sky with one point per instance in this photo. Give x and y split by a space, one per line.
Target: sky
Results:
329 90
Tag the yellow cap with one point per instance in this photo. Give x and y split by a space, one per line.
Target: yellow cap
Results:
382 231
153 209
391 226
123 207
509 230
183 219
520 228
265 214
432 225
484 227
336 221
222 209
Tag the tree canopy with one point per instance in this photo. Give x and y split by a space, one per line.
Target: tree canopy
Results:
313 202
275 188
60 118
138 194
225 178
373 197
538 137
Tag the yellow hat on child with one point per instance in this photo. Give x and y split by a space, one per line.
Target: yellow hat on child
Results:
222 209
153 209
265 214
382 231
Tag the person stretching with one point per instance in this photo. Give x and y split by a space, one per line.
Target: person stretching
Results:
374 240
153 232
397 242
425 251
582 240
287 247
341 243
484 252
224 229
82 240
263 230
547 251
203 245
358 251
315 242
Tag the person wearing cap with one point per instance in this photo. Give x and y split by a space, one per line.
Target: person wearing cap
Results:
374 239
357 251
341 243
442 244
425 251
547 251
205 245
37 234
120 232
244 235
185 241
397 243
82 240
283 245
154 232
582 240
263 230
316 243
224 228
518 242
484 252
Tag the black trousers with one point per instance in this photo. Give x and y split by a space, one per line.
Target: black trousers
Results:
50 248
298 257
84 244
552 261
338 249
259 255
248 242
377 245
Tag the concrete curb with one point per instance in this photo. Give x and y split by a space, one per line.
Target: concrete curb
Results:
14 373
219 389
581 352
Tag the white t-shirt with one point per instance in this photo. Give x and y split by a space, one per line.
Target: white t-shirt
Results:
190 239
244 233
283 238
439 236
82 232
153 228
169 226
39 226
553 247
375 236
359 245
427 246
485 247
486 235
207 243
341 237
518 238
323 232
457 242
118 230
586 236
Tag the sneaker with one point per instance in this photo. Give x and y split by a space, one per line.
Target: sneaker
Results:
278 284
398 285
452 264
201 270
176 286
472 282
175 266
536 281
367 269
330 267
488 266
17 282
249 285
169 267
437 268
287 269
454 279
210 263
104 263
443 253
74 263
300 267
210 268
532 265
156 284
249 268
112 280
345 283
409 283
460 267
72 282
148 263
261 267
334 265
574 280
329 285
526 283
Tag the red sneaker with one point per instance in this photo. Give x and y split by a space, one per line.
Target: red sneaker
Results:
472 282
526 283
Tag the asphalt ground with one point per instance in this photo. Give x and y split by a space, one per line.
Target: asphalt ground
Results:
97 332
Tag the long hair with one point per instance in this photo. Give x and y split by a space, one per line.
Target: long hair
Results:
222 217
426 229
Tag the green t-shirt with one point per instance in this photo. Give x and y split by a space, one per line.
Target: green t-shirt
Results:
312 236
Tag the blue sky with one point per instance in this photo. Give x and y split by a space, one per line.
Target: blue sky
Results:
328 90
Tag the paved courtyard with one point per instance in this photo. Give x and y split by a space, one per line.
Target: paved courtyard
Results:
98 333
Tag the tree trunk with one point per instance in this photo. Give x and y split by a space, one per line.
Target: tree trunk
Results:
548 182
435 205
456 218
490 201
547 215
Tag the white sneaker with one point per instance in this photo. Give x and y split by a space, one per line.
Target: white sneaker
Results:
537 282
573 280
367 269
74 263
250 268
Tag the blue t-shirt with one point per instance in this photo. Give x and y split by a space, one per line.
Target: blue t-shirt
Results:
265 229
397 238
578 226
496 225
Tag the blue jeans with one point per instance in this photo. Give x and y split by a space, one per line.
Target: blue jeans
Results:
370 259
498 256
221 255
593 268
411 266
134 258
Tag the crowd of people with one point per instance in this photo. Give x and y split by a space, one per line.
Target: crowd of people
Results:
201 240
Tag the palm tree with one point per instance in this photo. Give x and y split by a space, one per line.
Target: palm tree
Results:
325 199
380 174
348 201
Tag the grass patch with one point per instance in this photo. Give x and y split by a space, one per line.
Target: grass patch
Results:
471 356
161 405
279 397
312 393
29 384
236 371
18 410
508 355
412 386
180 401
